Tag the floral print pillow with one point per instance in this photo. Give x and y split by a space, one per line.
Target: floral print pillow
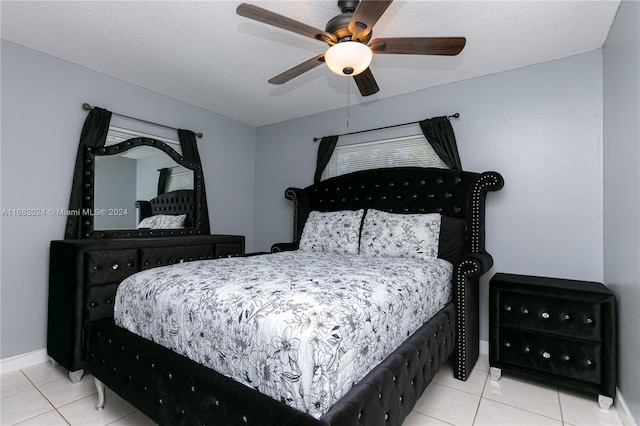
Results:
400 235
332 232
163 221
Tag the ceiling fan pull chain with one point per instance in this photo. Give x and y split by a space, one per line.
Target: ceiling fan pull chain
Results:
348 101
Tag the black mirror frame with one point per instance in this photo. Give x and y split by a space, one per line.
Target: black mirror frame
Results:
88 186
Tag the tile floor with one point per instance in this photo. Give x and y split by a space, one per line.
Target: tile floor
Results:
43 395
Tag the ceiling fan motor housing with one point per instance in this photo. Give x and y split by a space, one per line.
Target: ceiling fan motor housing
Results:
339 25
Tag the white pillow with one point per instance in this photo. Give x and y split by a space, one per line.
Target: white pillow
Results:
336 232
400 235
163 221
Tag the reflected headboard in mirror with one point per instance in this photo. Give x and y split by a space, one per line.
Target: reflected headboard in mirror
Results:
140 188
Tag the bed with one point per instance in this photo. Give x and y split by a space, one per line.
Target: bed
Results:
172 388
169 204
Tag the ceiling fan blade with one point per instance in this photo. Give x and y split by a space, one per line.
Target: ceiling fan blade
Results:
449 46
298 70
262 15
366 15
366 83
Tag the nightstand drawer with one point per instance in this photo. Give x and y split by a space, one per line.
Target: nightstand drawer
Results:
564 357
554 315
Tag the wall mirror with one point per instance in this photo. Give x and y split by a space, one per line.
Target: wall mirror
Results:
139 187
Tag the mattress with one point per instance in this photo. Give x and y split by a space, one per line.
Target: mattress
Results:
301 327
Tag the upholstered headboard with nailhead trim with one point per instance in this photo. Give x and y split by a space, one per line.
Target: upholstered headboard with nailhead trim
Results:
453 193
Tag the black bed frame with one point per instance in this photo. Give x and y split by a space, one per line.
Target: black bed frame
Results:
172 389
181 201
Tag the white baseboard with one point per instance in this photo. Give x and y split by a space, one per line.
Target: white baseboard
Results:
18 362
623 410
484 347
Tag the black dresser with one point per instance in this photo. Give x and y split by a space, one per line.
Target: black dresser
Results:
557 331
84 275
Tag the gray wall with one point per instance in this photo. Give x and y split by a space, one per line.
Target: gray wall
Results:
622 190
148 174
539 126
41 122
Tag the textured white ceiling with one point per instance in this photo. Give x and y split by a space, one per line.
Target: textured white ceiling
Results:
203 53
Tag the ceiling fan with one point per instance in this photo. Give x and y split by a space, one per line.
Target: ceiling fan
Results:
349 37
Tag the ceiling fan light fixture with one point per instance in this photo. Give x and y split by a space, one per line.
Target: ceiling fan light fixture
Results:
348 58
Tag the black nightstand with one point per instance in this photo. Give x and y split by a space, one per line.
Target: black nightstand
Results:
556 331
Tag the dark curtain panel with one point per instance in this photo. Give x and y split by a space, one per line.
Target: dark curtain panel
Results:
162 180
439 133
325 150
190 153
94 133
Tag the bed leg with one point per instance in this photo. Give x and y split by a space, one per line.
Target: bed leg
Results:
101 397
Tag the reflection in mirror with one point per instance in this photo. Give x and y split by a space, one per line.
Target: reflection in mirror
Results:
128 179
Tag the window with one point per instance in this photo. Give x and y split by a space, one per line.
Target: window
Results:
118 134
397 152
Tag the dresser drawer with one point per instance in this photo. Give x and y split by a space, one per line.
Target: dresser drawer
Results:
228 249
160 256
554 315
110 266
563 357
99 301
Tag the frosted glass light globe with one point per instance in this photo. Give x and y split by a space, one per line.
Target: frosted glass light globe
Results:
348 58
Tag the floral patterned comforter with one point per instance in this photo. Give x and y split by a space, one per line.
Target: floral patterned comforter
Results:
301 327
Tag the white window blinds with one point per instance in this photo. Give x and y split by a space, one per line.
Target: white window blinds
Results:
118 134
398 152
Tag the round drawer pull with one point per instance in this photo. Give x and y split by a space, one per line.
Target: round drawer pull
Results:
588 362
525 311
567 317
589 321
507 344
507 308
566 357
527 349
545 315
115 266
546 355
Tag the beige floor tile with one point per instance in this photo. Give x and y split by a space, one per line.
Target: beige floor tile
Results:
82 412
492 413
483 362
22 406
474 383
134 419
14 382
45 373
582 410
62 391
519 393
417 419
50 418
447 404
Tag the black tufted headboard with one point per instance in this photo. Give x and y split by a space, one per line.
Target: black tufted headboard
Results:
173 203
402 190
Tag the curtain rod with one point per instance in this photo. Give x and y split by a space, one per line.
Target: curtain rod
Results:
88 107
456 115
